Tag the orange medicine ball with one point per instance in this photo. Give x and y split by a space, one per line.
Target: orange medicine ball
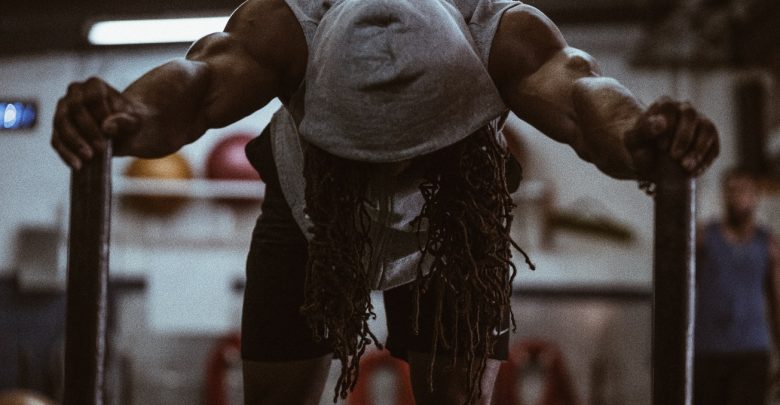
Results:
174 166
171 167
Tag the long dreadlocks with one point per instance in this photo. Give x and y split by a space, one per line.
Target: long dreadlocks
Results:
468 212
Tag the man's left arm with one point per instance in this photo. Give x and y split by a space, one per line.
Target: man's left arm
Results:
559 90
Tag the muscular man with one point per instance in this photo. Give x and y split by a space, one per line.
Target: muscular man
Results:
395 109
738 293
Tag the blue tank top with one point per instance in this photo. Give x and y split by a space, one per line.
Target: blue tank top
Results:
731 313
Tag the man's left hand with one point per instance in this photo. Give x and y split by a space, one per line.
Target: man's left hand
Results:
677 129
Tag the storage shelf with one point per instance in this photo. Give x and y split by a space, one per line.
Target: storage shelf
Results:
190 188
529 190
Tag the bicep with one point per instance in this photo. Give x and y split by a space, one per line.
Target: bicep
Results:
237 83
536 71
547 97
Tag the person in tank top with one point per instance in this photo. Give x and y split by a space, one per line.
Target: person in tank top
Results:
737 293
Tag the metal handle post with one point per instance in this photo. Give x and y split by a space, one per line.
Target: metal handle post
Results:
85 323
673 285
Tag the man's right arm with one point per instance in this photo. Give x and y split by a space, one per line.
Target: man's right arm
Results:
224 77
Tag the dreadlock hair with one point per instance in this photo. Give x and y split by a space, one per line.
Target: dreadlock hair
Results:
468 213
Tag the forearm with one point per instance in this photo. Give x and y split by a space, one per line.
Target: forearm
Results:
569 101
605 112
169 101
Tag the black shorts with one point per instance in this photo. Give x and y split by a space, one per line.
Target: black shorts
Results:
272 328
730 378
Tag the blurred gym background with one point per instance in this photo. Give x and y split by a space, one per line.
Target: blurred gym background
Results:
181 226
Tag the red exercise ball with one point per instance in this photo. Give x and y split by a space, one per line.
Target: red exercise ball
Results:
227 159
171 167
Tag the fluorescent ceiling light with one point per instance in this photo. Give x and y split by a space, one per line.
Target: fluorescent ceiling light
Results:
158 31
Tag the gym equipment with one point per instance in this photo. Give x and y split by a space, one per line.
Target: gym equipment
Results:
87 294
227 159
23 397
674 285
370 364
529 357
225 354
171 167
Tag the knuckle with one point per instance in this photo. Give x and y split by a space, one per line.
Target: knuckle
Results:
74 87
91 96
687 111
101 91
705 142
657 106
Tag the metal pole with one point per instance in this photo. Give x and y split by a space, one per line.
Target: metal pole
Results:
85 319
674 288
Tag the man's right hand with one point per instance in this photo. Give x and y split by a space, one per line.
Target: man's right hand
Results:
87 116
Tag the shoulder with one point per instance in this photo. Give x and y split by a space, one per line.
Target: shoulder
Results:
525 39
712 225
529 20
263 15
265 32
269 28
704 230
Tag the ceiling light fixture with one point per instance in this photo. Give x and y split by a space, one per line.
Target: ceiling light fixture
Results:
153 31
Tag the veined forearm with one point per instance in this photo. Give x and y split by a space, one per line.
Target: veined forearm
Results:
568 101
605 113
170 102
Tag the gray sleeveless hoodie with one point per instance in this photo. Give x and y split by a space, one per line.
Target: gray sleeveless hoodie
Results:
396 201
